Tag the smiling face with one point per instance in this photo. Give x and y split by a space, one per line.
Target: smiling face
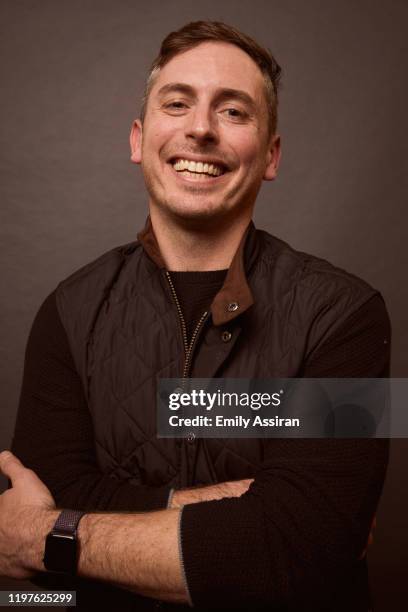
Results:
205 145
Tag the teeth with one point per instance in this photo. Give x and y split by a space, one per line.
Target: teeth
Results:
197 167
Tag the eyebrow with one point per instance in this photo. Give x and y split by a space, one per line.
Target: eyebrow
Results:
224 93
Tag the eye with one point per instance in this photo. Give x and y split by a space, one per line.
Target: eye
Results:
175 105
234 113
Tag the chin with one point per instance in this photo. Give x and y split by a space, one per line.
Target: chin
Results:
193 212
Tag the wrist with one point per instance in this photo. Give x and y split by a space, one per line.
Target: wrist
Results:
87 556
174 499
38 526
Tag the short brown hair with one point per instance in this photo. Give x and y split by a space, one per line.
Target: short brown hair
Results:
197 32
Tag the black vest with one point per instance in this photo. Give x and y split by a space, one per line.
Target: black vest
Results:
124 333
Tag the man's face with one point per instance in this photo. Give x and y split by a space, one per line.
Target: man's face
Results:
205 146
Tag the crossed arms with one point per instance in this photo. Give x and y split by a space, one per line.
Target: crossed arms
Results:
141 552
138 552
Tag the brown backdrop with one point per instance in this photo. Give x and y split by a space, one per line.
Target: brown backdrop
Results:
72 73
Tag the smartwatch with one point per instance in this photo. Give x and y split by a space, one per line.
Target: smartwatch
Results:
61 545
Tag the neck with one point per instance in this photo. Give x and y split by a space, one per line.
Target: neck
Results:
205 248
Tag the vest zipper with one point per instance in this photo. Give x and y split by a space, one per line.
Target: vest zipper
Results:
188 348
192 343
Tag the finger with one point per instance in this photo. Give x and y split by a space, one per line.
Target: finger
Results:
10 465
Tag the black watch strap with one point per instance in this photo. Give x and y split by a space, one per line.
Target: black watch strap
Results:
61 551
67 522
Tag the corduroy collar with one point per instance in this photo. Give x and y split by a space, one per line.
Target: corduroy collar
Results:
235 296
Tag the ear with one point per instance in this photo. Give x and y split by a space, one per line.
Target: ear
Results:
273 158
136 134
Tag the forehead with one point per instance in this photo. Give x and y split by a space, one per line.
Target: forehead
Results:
213 65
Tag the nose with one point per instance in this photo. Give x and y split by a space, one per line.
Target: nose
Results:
201 126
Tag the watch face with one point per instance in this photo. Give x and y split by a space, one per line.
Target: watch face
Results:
60 553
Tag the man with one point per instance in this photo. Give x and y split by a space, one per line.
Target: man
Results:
274 524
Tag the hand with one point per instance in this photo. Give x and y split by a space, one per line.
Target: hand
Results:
232 488
25 519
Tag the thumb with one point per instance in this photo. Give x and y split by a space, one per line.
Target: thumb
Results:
11 466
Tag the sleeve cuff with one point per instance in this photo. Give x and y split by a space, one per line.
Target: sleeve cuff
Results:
183 570
170 497
223 554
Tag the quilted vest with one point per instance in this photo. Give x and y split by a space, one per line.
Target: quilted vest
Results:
123 326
